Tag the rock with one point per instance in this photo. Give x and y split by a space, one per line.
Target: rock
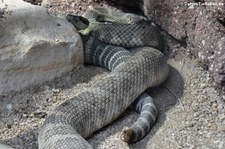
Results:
35 46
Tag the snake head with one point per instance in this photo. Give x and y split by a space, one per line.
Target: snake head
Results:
79 22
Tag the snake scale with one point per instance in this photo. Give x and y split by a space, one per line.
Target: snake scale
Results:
134 69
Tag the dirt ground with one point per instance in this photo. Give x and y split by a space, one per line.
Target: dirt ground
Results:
191 111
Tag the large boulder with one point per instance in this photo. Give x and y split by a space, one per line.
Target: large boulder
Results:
199 24
34 45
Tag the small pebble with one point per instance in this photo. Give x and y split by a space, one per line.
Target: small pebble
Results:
25 115
9 106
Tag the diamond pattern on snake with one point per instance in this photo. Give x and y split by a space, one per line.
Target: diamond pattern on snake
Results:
130 47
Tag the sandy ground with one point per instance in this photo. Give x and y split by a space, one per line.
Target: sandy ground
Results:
191 113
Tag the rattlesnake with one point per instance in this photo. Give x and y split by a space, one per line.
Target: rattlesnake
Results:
77 118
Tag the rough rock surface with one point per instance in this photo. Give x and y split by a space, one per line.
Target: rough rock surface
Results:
35 46
201 25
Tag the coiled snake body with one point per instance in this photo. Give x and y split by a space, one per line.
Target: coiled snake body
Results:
77 118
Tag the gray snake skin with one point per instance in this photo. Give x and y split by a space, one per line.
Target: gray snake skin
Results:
132 73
